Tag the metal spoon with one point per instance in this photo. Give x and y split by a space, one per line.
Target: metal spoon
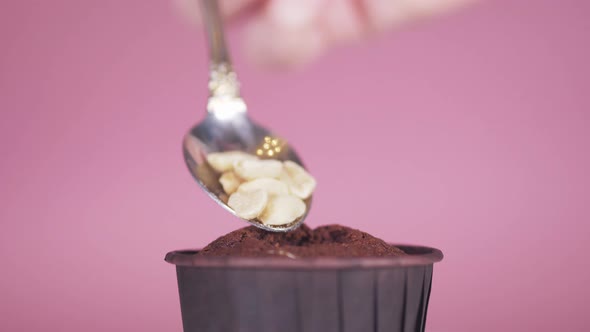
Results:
226 126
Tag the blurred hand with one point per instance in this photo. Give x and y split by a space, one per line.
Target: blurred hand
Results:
291 32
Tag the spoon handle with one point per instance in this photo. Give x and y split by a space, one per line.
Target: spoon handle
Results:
223 83
214 28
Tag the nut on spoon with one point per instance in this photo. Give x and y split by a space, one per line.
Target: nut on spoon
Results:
227 127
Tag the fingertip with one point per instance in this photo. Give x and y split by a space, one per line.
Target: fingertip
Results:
269 45
341 21
293 14
385 14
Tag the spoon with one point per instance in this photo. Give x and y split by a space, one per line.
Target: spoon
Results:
227 127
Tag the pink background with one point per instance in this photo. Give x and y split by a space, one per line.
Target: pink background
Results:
468 133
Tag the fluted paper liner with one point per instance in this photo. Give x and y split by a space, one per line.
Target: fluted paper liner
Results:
305 295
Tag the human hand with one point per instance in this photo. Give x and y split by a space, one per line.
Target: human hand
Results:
294 32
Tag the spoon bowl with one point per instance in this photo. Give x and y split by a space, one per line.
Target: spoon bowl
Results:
236 134
227 126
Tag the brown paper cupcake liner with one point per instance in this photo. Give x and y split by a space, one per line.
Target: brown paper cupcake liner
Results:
305 295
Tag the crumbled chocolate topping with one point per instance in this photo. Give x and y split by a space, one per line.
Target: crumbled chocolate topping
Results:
330 240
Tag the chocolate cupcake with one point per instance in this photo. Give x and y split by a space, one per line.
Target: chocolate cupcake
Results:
333 278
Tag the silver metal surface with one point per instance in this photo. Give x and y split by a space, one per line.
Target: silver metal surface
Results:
226 126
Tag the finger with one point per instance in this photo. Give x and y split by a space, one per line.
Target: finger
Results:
285 32
342 21
293 14
269 44
387 14
294 32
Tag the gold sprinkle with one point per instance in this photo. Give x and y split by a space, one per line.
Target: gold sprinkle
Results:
270 152
266 146
274 142
278 149
259 152
267 139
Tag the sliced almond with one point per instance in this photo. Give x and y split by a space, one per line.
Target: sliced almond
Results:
299 181
251 169
271 186
248 205
282 209
230 182
224 161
